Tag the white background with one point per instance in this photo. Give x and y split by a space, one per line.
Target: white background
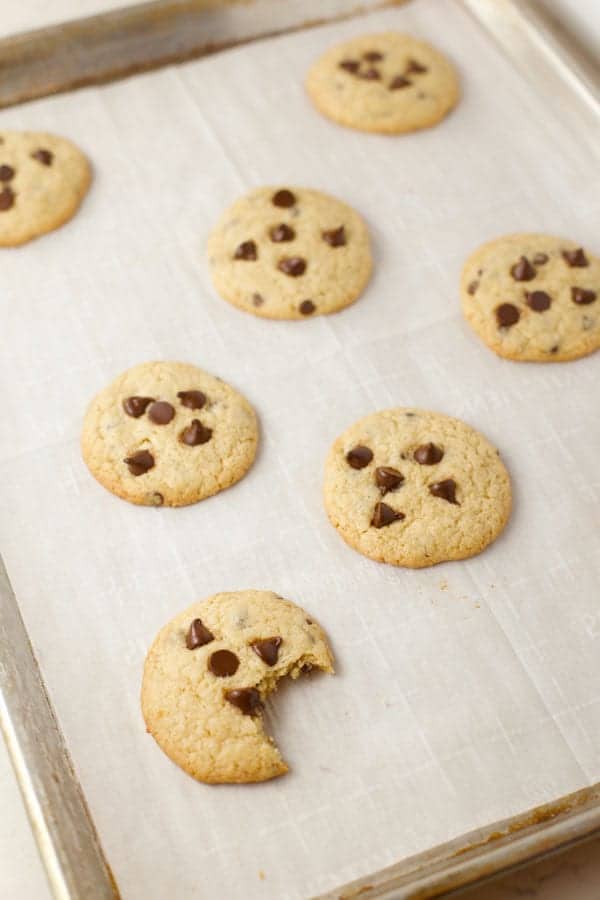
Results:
23 876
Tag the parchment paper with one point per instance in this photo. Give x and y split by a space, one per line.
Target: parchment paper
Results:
464 693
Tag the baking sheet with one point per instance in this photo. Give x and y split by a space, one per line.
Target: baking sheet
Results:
465 693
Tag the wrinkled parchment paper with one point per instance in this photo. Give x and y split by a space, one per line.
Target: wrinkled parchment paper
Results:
464 693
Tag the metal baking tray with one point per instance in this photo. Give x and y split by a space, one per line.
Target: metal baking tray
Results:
113 45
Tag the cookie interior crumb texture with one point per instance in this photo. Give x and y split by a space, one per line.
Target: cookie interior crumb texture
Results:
414 488
290 253
389 83
168 434
208 673
43 179
533 297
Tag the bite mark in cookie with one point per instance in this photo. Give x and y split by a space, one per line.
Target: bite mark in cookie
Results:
209 672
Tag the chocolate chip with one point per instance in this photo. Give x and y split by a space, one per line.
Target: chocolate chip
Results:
336 237
136 406
349 65
445 489
280 233
372 56
399 82
257 299
198 635
359 457
507 315
196 433
292 265
538 300
581 296
223 663
267 649
428 454
246 250
388 479
523 270
575 258
369 75
415 67
384 515
307 307
161 412
7 199
246 699
283 198
192 399
540 259
6 173
554 349
472 287
139 463
45 157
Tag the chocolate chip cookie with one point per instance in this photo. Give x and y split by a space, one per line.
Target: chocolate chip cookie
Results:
290 253
414 488
43 179
167 433
534 297
209 672
390 83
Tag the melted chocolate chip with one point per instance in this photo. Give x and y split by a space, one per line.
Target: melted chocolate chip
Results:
414 67
7 199
246 699
575 258
139 463
196 433
280 233
370 75
350 65
223 663
540 259
581 296
372 55
161 412
192 399
428 454
283 198
246 250
336 237
257 299
539 301
446 490
292 265
45 157
507 315
384 515
399 82
472 287
267 649
523 270
136 406
359 457
307 307
198 635
388 479
6 173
